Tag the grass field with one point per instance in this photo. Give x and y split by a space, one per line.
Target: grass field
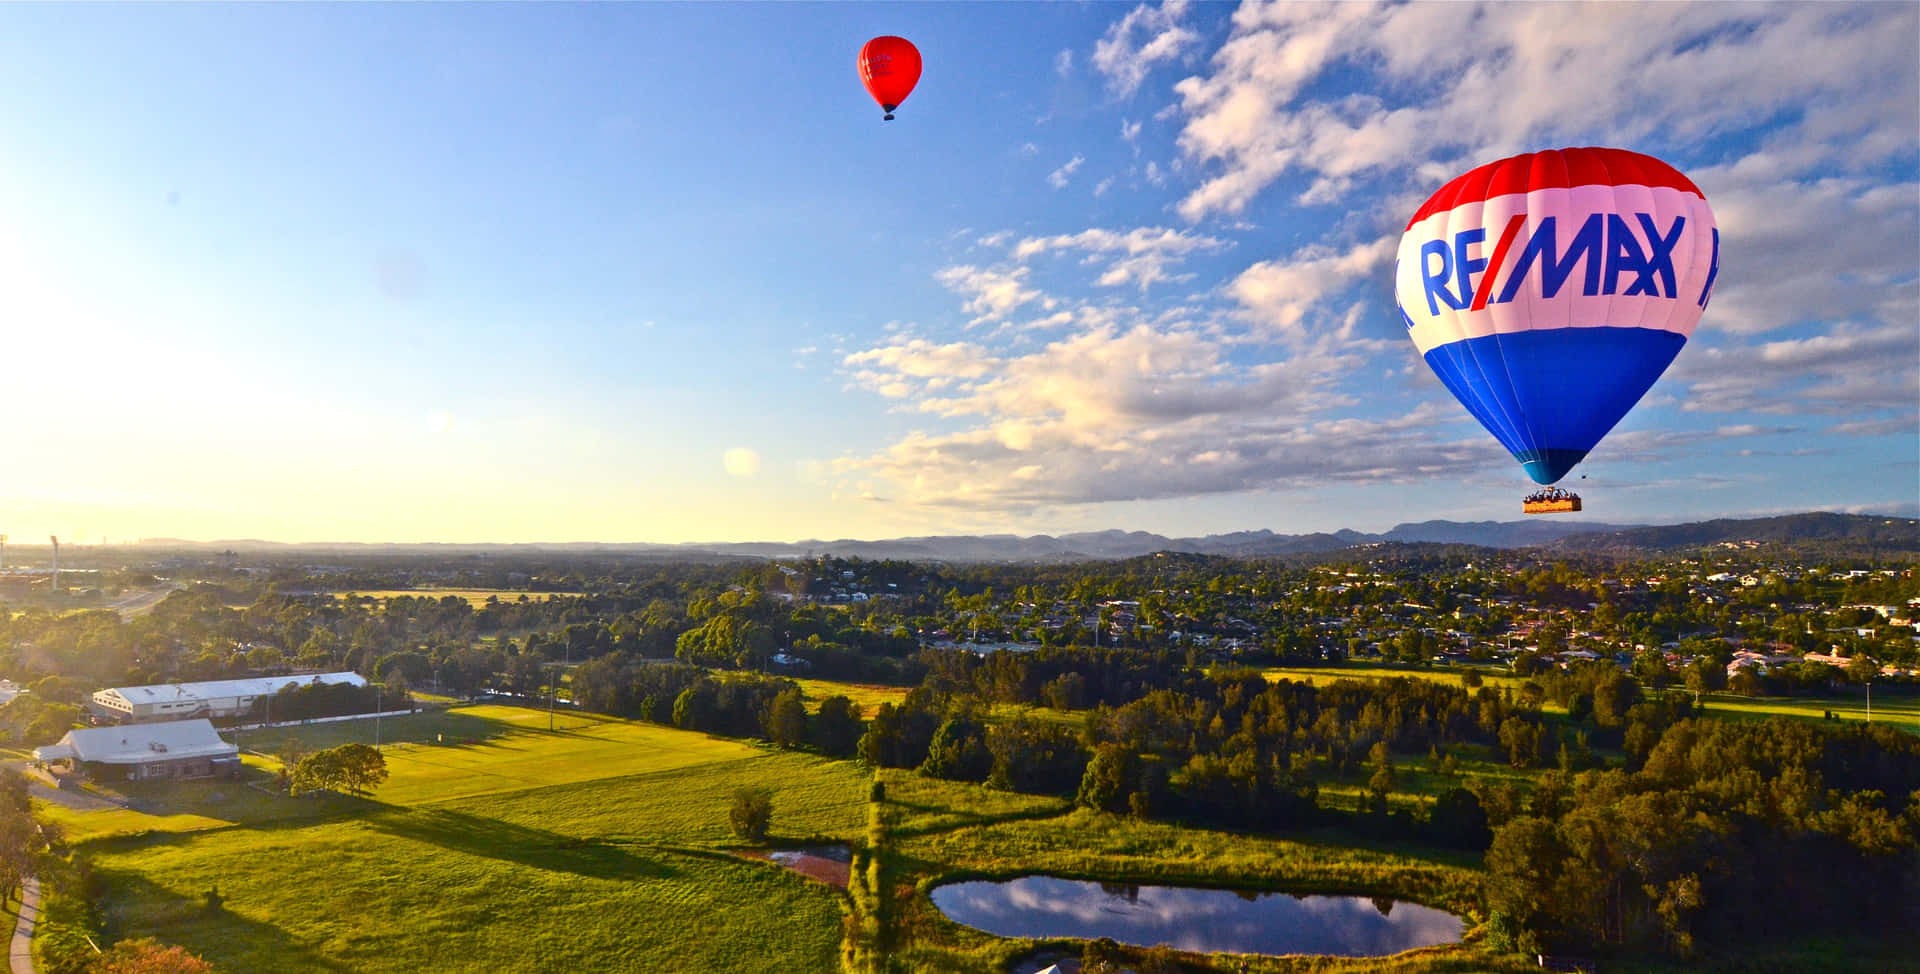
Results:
1319 675
867 696
1902 711
475 597
938 832
601 846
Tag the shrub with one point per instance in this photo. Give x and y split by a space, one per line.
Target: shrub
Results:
752 812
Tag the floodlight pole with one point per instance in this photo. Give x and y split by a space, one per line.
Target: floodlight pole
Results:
378 690
1869 701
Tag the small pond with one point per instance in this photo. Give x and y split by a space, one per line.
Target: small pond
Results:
1194 919
828 863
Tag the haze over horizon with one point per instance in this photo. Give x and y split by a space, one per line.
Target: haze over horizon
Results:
425 273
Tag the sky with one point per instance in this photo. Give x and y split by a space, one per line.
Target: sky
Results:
660 272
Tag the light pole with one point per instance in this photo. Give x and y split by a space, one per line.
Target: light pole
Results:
1869 701
377 692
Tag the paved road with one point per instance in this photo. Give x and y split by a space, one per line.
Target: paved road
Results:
139 603
20 956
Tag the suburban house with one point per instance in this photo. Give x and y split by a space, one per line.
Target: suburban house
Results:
182 701
175 749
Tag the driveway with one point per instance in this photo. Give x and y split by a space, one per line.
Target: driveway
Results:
20 954
74 798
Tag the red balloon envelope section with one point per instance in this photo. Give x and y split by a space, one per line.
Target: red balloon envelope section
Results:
889 67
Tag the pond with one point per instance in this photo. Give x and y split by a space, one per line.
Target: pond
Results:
828 864
1203 920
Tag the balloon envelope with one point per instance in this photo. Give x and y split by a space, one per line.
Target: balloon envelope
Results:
1549 290
889 67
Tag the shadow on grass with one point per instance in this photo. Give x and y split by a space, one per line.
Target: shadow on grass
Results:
134 906
422 727
494 839
949 819
440 827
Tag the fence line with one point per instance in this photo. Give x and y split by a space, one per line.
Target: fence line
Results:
319 720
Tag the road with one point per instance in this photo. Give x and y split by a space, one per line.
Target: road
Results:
20 954
139 602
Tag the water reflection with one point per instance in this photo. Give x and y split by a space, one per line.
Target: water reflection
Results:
828 864
1196 919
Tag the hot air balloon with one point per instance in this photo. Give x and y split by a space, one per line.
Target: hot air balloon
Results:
889 67
1549 290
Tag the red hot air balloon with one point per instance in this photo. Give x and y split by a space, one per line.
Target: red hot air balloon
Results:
889 67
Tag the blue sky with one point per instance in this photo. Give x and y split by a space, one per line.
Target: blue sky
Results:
659 272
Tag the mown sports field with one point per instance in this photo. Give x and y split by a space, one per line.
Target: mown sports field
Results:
496 845
1899 710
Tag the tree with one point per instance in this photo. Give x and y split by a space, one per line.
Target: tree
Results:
1105 782
14 794
787 720
353 768
958 751
1380 759
1522 880
1458 820
836 727
18 843
147 956
751 813
1862 669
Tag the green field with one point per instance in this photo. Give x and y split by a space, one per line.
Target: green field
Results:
867 696
601 846
939 831
1317 675
1902 711
476 597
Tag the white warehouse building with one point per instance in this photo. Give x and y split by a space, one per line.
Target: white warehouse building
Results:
185 701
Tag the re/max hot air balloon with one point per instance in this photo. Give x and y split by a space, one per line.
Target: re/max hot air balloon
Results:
889 67
1549 290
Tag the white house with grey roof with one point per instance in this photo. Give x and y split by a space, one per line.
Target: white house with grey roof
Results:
173 749
218 698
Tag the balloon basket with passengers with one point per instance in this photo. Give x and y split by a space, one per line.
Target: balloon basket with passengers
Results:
1549 291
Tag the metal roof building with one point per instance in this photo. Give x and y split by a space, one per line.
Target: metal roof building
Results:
217 698
173 749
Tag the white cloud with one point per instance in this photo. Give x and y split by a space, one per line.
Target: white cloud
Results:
1145 37
991 294
1866 237
1908 424
1063 62
1459 83
1129 130
1129 407
1058 178
1848 370
1279 294
1141 257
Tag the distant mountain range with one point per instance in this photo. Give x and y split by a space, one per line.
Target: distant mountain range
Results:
1886 535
